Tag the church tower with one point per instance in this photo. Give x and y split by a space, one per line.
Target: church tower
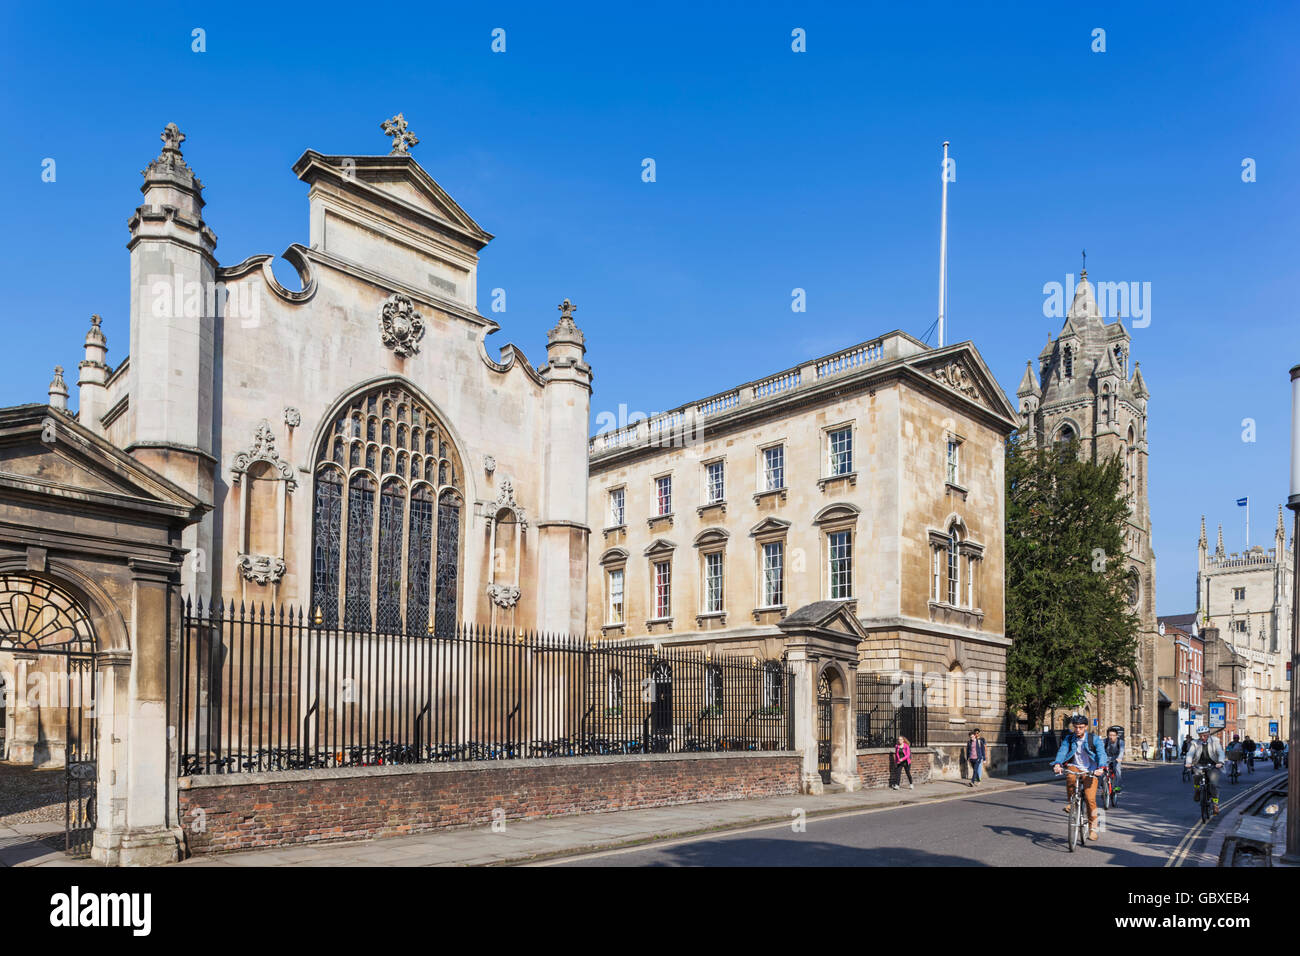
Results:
1087 391
172 356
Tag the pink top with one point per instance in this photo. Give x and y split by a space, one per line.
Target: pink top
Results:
902 753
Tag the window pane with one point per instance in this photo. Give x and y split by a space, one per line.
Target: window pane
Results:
664 494
713 582
616 507
715 486
840 547
840 443
952 569
773 574
361 517
663 594
774 468
616 596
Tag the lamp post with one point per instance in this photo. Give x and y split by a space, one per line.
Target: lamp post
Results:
1292 854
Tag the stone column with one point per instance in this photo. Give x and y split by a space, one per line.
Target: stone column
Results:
844 742
147 838
113 670
804 715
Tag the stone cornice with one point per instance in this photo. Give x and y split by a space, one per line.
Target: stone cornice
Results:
835 387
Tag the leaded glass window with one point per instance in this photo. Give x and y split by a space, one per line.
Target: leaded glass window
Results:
388 583
361 518
419 561
329 532
444 613
386 518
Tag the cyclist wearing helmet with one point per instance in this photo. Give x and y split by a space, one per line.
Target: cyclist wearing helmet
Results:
1083 750
1207 753
1115 752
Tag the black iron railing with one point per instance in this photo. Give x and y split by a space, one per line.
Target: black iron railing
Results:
265 690
885 712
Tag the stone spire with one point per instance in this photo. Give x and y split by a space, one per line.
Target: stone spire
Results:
566 330
92 378
1084 305
59 390
1029 383
1139 384
1202 542
1218 548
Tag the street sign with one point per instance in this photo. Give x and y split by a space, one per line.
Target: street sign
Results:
1272 728
1218 714
1189 723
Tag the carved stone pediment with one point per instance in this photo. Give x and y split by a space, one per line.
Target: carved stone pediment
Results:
400 326
263 450
957 375
261 568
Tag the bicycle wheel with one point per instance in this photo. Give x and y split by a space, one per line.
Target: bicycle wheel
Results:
1114 797
1074 823
1205 803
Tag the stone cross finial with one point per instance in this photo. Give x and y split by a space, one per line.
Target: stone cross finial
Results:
172 137
403 139
96 319
567 309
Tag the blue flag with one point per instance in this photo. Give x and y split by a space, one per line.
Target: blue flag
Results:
1241 502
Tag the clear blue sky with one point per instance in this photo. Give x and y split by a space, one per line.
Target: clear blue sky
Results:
775 170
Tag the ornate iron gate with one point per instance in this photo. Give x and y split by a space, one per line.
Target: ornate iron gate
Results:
80 756
824 728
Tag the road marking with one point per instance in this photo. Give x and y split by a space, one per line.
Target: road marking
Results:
1183 850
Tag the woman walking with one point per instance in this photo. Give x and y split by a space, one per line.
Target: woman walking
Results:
902 762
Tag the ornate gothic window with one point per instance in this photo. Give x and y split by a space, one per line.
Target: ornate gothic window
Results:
386 536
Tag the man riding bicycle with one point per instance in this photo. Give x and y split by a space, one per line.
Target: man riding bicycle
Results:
1249 746
1206 753
1115 753
1084 751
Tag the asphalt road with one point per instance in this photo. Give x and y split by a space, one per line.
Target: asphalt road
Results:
1024 826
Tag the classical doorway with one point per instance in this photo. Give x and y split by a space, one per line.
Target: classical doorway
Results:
47 641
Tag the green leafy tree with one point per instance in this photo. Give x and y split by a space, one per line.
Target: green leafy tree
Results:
1068 590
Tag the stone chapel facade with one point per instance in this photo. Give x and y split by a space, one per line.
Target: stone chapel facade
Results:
1086 390
363 455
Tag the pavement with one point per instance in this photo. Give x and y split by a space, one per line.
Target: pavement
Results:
534 840
539 841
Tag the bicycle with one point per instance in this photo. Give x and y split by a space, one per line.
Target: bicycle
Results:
1201 779
1109 795
1187 773
1234 774
1077 831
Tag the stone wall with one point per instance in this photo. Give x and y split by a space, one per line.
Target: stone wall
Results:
243 811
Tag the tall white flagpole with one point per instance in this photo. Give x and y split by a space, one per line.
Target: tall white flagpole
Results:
943 244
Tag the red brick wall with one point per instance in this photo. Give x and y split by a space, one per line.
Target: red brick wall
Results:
876 764
308 806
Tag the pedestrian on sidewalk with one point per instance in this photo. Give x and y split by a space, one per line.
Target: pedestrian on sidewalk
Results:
1146 754
975 754
902 762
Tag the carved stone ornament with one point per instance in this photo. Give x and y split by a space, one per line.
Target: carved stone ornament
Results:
489 463
400 326
506 499
261 568
954 375
503 595
264 450
292 417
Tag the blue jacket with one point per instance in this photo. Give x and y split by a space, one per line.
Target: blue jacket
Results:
1098 750
979 748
